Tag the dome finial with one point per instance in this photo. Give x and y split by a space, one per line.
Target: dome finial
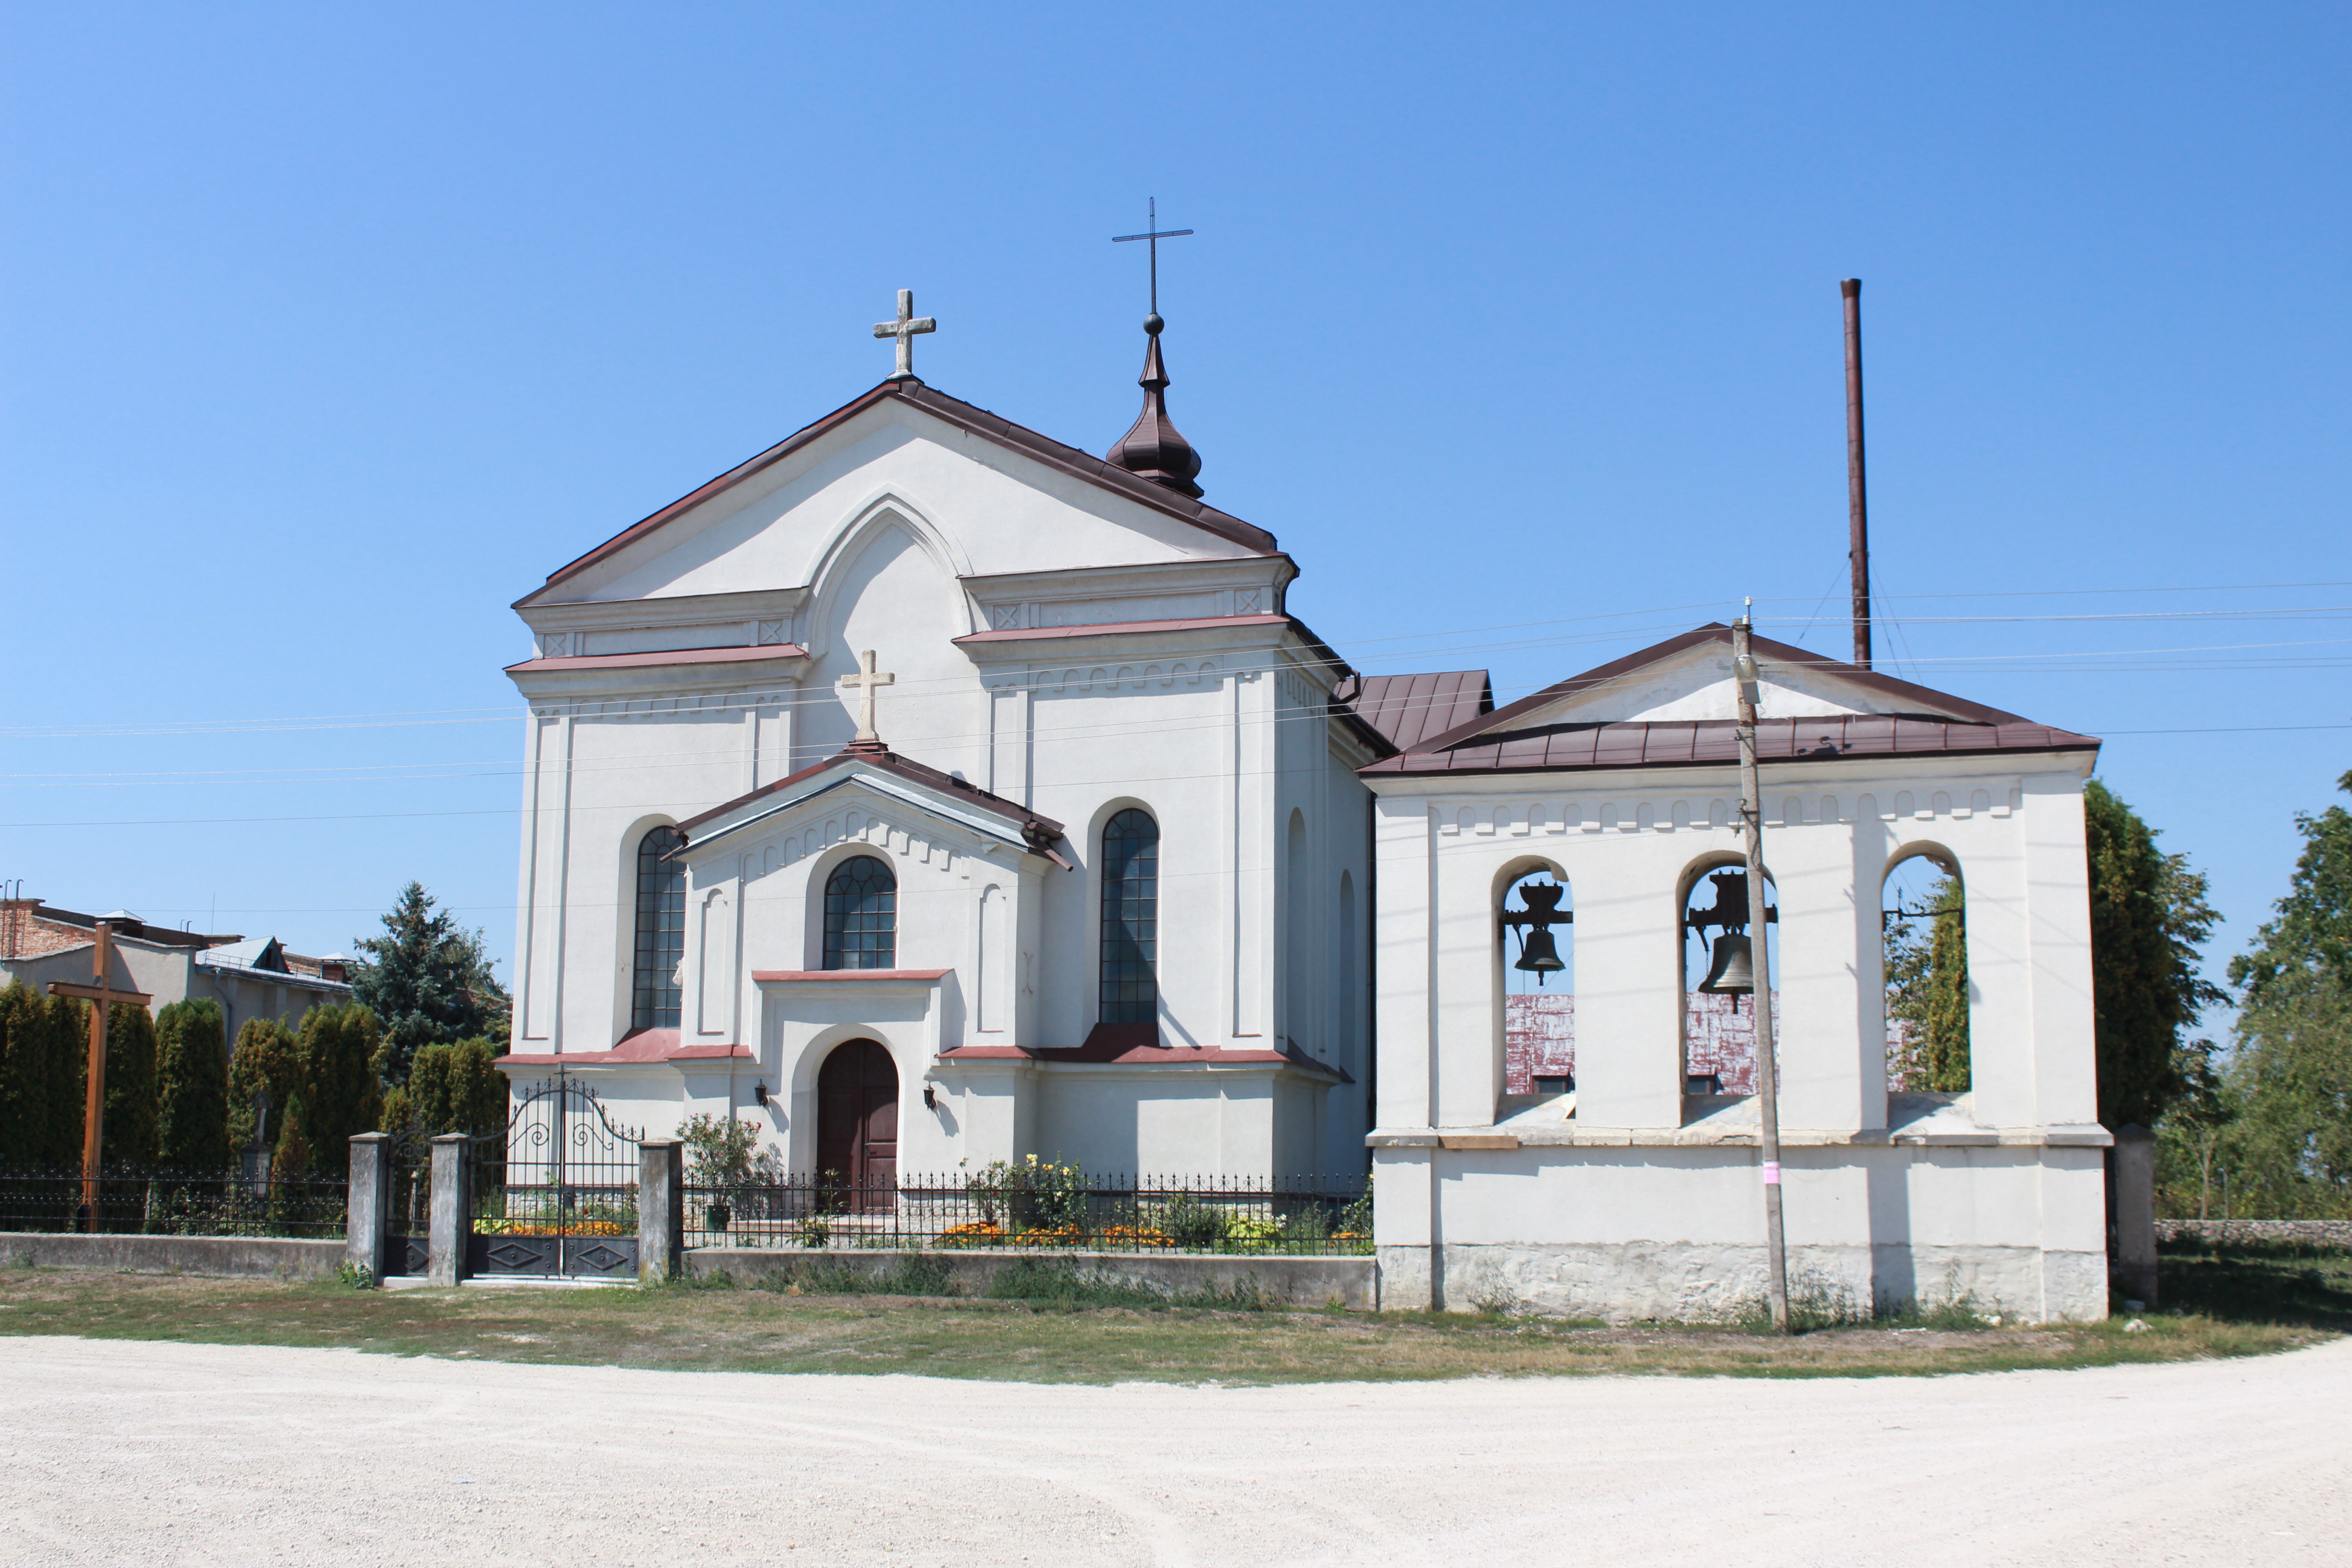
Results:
1153 448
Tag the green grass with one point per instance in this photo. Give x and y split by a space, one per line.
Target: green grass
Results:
1048 1322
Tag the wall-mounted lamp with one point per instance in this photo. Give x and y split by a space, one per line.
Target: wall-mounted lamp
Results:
930 1098
759 1092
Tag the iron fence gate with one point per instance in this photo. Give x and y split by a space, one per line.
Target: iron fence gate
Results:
556 1192
408 1241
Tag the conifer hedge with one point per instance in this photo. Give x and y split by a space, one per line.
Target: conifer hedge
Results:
192 1074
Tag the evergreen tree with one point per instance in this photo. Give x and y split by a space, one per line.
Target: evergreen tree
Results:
2148 916
266 1057
127 1132
426 980
457 1087
192 1074
24 1065
292 1155
339 1091
66 1044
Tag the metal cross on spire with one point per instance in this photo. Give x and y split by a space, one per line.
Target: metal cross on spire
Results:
1154 234
866 681
905 328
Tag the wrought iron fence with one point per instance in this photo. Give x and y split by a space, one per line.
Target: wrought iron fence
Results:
157 1200
555 1190
1037 1207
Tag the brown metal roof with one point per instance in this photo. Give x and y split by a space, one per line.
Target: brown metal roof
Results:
1408 709
1695 742
1922 700
1935 721
979 421
1041 832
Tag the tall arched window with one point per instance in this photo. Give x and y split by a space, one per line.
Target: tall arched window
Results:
1130 919
861 915
1926 955
661 931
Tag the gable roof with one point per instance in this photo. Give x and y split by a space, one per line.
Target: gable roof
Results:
965 417
1409 709
1040 833
1514 739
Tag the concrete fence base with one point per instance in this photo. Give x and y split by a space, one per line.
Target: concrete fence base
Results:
2332 1233
263 1256
1351 1282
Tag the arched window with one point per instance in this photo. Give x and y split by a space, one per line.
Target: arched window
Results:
1130 919
1538 953
1926 953
861 915
1719 961
661 931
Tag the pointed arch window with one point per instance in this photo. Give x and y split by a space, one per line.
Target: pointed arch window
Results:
661 931
861 915
1130 919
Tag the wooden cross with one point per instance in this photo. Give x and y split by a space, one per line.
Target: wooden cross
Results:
103 995
905 330
867 680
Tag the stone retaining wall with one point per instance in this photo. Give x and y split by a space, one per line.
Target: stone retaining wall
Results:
2308 1232
1352 1282
275 1258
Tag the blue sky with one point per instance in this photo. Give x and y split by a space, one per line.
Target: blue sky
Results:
329 332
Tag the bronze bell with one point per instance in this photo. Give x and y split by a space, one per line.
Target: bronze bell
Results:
1539 955
1733 974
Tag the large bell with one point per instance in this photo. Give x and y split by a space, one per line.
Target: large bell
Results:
1733 974
1540 956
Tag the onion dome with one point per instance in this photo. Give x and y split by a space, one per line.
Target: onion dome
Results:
1154 450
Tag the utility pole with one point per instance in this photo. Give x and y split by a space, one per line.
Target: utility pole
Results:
1768 1060
1857 499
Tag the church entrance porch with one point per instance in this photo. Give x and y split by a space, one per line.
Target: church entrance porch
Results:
857 1129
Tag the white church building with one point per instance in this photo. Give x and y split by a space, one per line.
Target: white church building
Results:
928 791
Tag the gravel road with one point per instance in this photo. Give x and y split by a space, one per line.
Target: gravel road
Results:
142 1453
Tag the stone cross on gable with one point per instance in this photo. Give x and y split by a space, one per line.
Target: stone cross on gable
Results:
867 680
905 330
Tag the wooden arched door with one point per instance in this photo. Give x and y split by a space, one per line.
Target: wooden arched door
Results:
858 1125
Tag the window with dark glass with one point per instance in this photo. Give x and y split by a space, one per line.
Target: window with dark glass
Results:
661 931
861 915
1130 919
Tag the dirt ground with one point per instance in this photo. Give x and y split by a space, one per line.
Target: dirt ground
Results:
131 1452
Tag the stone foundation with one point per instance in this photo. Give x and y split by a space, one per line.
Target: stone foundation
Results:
1679 1281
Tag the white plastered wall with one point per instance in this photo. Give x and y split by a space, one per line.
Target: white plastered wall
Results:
2010 1200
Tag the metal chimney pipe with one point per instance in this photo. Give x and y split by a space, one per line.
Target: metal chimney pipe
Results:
1857 499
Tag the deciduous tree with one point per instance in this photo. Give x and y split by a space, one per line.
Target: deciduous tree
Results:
2148 916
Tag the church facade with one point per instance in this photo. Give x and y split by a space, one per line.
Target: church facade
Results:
1088 878
928 793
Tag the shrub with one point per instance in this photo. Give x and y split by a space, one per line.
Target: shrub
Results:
127 1131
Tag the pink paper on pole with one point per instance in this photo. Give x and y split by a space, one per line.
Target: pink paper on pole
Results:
1771 1173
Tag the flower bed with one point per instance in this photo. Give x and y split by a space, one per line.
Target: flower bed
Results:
551 1228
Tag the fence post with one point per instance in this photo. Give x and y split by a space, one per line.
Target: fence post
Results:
2135 1273
453 1209
661 1208
367 1213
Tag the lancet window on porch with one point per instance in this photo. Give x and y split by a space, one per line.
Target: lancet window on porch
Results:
1130 919
861 915
661 932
